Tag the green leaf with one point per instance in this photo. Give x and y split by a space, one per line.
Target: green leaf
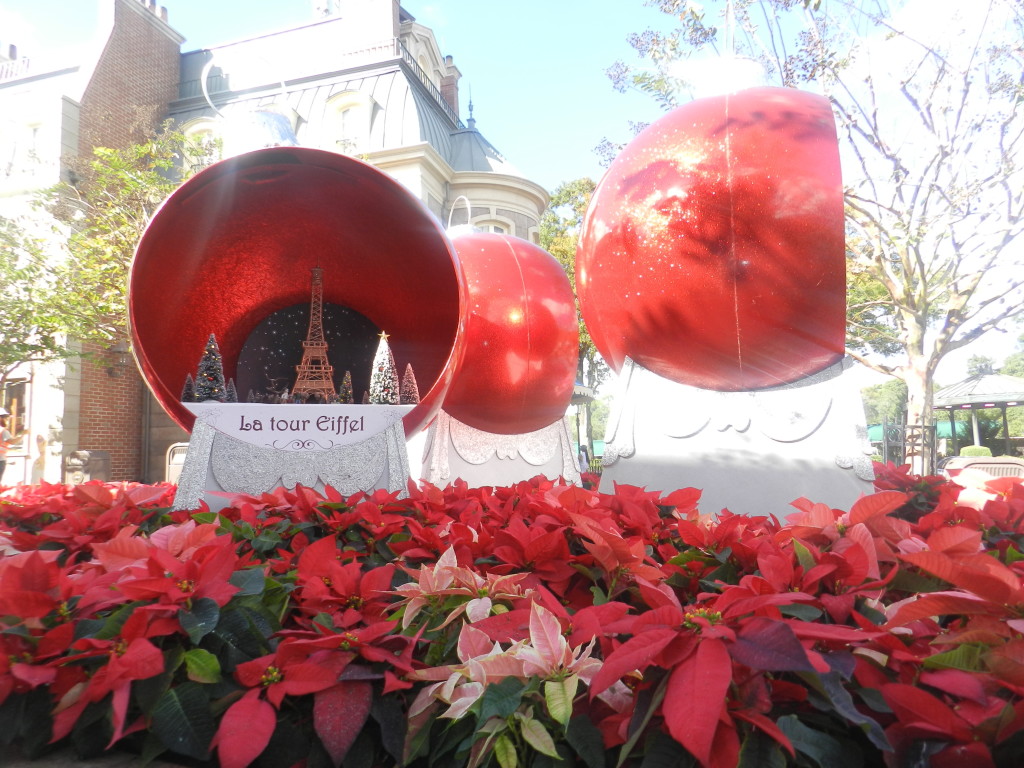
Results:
536 735
249 581
202 666
824 750
182 720
586 740
201 620
760 751
662 751
501 699
801 611
830 687
559 695
505 751
803 555
968 657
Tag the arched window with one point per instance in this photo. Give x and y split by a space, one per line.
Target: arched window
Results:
347 123
203 147
496 226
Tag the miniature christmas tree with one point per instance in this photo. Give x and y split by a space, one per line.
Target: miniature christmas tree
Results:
410 392
188 392
230 393
366 397
384 377
345 392
210 376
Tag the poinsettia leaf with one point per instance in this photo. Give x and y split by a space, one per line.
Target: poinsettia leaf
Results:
761 751
586 741
339 714
501 699
913 705
881 503
249 581
943 604
559 695
505 751
967 657
831 688
245 730
692 720
768 645
181 718
536 735
202 666
634 654
201 620
820 747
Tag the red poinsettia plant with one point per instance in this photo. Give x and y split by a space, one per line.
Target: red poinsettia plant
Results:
532 625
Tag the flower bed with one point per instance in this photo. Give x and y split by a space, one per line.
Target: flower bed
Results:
534 625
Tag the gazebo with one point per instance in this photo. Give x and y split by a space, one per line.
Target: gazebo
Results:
982 390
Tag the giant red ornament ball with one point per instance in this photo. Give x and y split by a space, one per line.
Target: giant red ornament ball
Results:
712 252
236 243
521 336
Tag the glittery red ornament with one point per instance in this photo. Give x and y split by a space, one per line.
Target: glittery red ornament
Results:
521 338
236 243
713 249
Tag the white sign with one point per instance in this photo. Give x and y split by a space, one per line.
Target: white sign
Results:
298 427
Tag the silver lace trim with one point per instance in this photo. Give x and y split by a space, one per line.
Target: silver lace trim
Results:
236 466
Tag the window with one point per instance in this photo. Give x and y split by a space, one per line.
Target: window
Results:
14 398
348 119
204 146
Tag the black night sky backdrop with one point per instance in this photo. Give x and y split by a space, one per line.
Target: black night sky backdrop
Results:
269 356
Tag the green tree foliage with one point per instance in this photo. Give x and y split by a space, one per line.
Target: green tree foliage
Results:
1013 365
885 402
930 129
979 365
209 381
29 329
559 236
106 207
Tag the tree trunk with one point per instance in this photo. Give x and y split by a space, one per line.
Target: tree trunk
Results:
917 374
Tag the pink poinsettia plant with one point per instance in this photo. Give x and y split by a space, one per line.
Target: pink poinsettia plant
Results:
540 624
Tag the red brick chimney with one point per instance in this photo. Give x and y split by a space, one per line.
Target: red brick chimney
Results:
450 84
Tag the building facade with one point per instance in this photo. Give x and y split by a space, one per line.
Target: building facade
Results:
363 78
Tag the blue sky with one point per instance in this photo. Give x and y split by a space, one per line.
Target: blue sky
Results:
535 67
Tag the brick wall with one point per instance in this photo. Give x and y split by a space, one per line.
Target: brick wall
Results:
111 412
134 81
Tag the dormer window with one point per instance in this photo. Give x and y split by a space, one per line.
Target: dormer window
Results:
347 122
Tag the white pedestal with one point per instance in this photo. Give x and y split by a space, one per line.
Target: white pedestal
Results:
750 452
455 450
251 448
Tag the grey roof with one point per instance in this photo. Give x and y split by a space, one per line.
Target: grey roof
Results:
982 389
472 152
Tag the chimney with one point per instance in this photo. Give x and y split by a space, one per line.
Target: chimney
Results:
450 84
8 52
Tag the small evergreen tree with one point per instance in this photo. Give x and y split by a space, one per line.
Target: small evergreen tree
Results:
345 393
209 382
410 392
366 397
230 393
188 392
384 378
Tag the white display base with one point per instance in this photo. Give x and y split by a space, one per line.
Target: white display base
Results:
455 450
254 447
750 452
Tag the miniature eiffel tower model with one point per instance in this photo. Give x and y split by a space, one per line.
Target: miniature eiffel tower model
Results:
315 372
